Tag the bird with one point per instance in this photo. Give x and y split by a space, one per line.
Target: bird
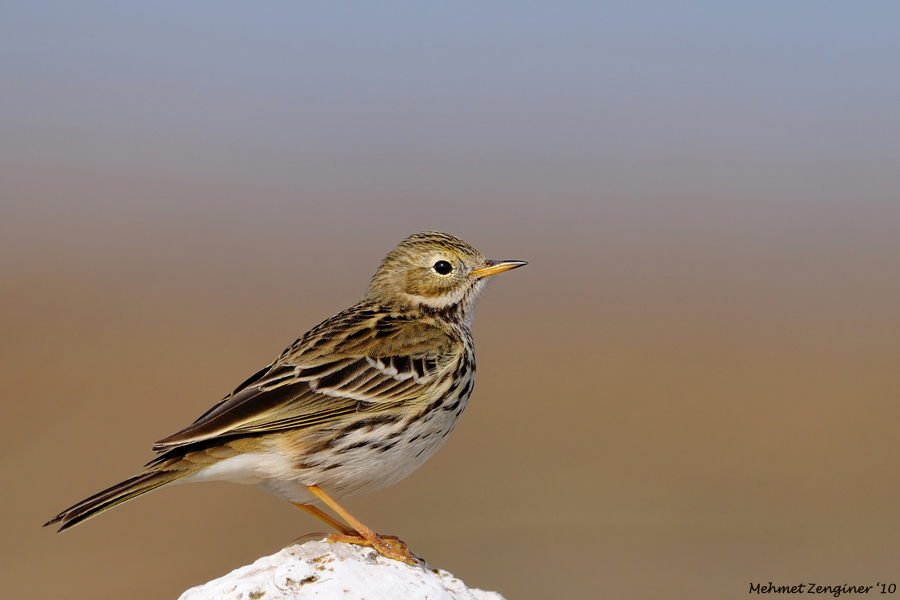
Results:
356 404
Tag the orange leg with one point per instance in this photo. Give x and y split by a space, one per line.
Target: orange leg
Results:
325 517
361 535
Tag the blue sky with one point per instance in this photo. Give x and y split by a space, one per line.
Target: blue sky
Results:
591 110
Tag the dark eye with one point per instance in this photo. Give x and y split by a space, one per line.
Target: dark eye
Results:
443 267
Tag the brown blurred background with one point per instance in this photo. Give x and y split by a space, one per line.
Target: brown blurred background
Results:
693 386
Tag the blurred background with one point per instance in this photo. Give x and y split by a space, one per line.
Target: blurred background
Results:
692 387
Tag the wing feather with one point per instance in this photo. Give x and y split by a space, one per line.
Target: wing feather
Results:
369 367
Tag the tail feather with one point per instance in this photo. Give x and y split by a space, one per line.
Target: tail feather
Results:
117 494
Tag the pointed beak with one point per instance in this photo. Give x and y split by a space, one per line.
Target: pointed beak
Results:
492 267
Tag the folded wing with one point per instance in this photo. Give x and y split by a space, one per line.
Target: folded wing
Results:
372 366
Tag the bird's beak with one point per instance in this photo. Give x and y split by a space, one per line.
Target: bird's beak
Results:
497 266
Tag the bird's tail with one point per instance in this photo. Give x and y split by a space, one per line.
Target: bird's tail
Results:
117 494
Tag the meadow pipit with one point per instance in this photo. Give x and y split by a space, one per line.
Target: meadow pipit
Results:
356 404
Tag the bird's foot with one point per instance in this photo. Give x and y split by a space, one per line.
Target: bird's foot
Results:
387 545
393 540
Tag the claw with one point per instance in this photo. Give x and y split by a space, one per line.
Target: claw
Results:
387 545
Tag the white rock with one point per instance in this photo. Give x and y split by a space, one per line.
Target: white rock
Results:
322 570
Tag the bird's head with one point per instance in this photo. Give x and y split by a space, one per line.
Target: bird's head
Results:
437 271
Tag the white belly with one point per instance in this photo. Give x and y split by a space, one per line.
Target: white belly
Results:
350 470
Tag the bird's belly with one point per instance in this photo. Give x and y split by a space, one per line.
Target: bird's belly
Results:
360 461
367 468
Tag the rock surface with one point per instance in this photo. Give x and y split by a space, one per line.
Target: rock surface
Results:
322 570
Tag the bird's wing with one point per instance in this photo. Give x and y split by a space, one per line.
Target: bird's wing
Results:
363 366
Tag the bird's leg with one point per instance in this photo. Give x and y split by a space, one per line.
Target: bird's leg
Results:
362 535
325 517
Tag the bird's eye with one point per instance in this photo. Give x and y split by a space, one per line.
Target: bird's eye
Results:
442 267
